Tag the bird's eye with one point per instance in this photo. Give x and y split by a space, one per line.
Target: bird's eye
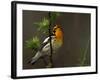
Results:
54 28
54 31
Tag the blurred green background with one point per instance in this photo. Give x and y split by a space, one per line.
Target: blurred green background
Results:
76 48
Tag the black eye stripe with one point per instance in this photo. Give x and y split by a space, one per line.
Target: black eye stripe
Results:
55 28
54 31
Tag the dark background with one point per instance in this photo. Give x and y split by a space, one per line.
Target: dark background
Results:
76 47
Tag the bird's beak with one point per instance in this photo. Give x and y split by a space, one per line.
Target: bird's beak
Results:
52 34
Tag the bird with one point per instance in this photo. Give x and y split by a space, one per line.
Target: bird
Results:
56 42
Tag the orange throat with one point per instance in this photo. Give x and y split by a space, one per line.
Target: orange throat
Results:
59 35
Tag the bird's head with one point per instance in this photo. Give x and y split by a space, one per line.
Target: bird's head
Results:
57 31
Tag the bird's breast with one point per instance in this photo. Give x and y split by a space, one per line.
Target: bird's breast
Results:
56 44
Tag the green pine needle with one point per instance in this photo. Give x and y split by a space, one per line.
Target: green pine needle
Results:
43 25
54 15
33 43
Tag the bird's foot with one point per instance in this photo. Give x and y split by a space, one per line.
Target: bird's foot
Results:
50 65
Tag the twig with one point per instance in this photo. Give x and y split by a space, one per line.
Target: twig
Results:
51 49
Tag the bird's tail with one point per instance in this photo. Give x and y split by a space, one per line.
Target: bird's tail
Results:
36 57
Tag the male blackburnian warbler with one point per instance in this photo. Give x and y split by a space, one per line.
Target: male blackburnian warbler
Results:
56 41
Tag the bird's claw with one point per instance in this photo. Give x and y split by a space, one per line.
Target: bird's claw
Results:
50 65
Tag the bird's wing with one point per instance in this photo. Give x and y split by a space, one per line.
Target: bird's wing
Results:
35 58
46 41
48 38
